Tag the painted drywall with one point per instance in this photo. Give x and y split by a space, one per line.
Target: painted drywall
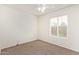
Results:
16 27
73 27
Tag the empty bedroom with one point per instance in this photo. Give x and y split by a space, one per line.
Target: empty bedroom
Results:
39 29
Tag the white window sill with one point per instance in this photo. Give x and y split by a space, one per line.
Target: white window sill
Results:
52 36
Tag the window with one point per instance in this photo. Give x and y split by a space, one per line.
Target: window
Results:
58 26
53 23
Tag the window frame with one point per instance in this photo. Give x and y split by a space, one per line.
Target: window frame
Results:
57 36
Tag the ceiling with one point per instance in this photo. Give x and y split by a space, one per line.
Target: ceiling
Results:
32 8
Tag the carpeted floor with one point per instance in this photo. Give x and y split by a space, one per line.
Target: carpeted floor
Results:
37 47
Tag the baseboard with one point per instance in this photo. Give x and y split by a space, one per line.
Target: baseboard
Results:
44 42
61 46
19 43
26 41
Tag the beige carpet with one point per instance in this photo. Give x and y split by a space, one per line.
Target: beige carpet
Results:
37 47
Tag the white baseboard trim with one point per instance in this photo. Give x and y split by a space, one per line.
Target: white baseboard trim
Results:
61 46
32 39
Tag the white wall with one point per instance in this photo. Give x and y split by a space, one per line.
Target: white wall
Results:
16 27
73 29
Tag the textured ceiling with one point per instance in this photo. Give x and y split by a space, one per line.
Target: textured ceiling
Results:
32 8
